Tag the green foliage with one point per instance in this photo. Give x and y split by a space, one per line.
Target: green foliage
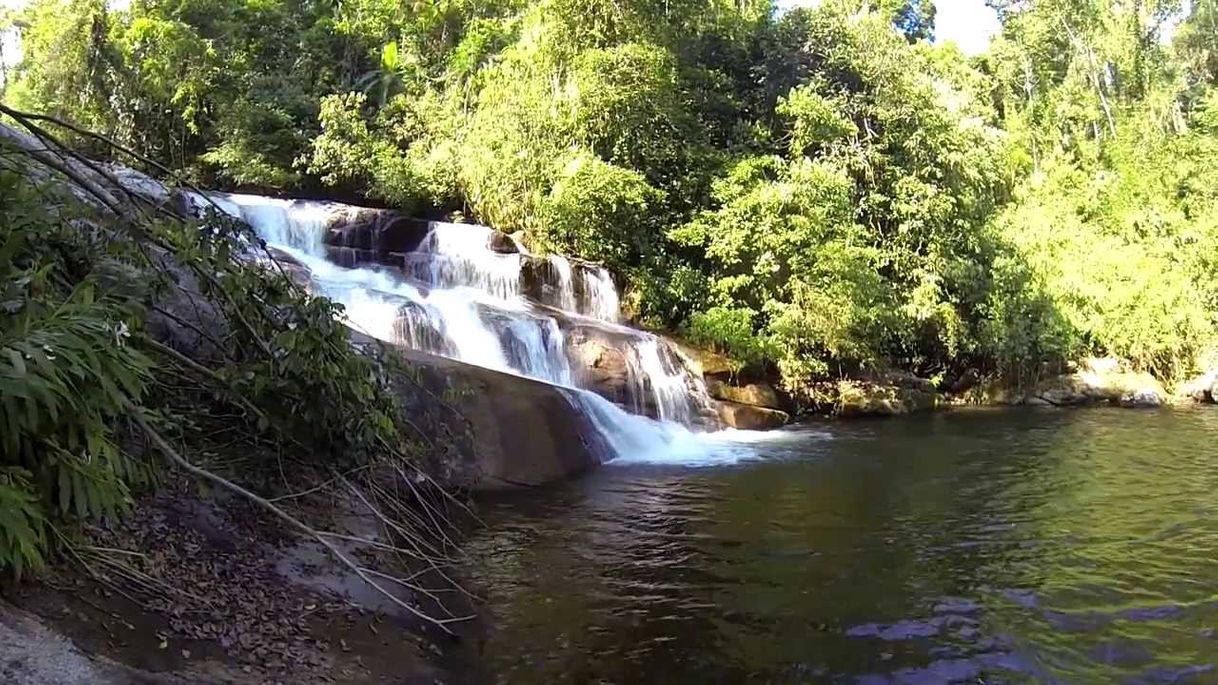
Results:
729 330
1115 222
226 90
291 357
861 241
76 288
22 523
595 208
815 191
67 372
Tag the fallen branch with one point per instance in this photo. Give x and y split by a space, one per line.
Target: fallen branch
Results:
447 495
207 373
172 455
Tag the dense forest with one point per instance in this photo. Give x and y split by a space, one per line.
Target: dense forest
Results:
814 191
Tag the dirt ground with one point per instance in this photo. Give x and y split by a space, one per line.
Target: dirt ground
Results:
191 587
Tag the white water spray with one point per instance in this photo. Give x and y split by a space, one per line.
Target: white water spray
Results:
566 282
602 298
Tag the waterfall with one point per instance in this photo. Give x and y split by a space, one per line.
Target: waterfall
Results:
462 291
601 294
659 382
454 255
566 282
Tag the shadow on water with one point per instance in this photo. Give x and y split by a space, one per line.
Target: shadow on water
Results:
996 546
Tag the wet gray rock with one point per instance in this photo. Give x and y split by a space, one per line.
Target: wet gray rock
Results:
32 653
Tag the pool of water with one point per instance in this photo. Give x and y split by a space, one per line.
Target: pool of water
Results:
1013 546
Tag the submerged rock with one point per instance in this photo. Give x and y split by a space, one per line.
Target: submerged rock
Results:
749 417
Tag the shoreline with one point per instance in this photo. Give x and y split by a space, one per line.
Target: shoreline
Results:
222 596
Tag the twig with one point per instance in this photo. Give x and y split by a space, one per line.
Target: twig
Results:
117 208
187 324
429 479
25 117
203 370
413 539
312 490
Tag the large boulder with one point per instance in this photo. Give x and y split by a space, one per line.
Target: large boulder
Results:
503 243
539 281
609 360
373 235
711 365
1203 388
601 365
1099 381
542 281
291 267
865 398
524 433
754 394
749 417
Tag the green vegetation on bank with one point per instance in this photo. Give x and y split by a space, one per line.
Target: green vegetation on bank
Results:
814 192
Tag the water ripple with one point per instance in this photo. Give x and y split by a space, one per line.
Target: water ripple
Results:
996 547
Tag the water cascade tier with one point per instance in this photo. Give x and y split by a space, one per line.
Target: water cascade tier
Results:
475 295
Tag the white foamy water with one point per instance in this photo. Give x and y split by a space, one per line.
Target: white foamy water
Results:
457 297
659 381
566 282
454 255
601 293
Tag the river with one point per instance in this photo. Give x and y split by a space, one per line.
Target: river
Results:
972 546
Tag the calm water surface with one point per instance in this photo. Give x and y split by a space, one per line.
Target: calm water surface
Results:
1038 546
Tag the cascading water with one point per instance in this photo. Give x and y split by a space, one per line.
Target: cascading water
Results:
454 255
461 294
601 294
566 282
667 389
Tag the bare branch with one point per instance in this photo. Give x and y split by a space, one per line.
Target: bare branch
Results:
164 447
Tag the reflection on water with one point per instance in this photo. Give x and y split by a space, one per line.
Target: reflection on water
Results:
991 546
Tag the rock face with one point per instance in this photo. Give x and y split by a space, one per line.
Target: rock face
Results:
525 433
749 417
376 233
295 271
1097 381
713 366
867 398
602 366
33 653
605 360
1203 388
754 394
